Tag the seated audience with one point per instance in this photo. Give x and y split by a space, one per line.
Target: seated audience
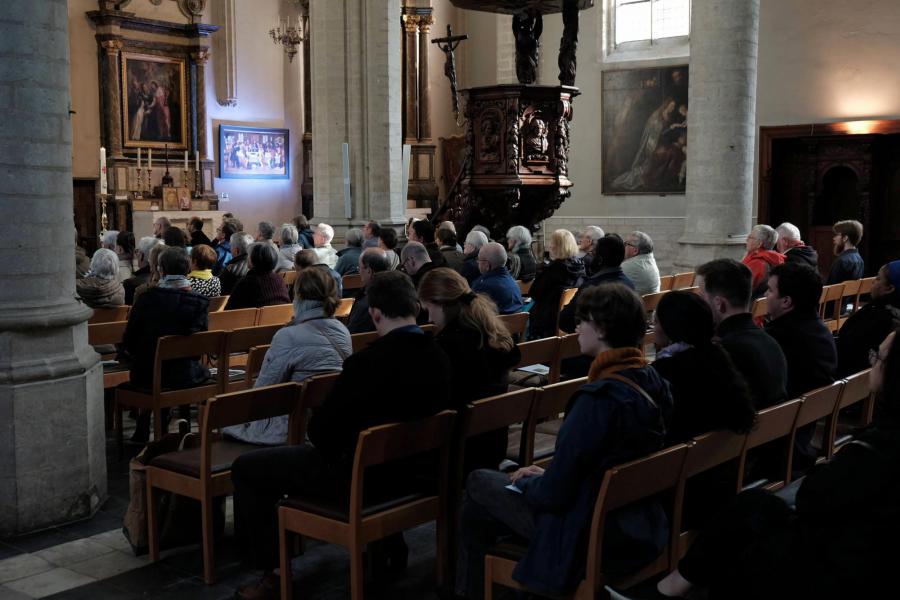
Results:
202 280
348 258
495 280
169 308
176 237
484 230
791 245
310 258
198 238
237 267
619 415
265 232
564 271
387 241
101 287
725 285
322 236
522 264
760 257
402 357
865 329
415 260
451 227
261 286
160 226
422 231
371 261
835 543
449 248
474 242
289 247
480 349
587 239
848 264
153 281
125 251
223 245
639 264
314 343
370 234
142 275
82 262
304 233
609 252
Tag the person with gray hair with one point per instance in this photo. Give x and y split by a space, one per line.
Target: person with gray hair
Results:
484 230
587 245
265 232
639 264
108 239
474 241
290 246
348 258
495 280
791 245
415 261
522 264
101 288
238 266
142 275
371 261
761 256
323 233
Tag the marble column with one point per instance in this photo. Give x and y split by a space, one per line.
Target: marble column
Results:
425 23
721 130
410 80
112 96
52 439
200 58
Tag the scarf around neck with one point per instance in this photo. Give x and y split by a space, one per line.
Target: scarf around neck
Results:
615 360
175 282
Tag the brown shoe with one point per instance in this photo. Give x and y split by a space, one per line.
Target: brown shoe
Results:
267 588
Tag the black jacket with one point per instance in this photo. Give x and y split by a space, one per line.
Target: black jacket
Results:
453 257
863 331
848 265
157 313
257 289
809 349
546 290
227 276
522 264
758 357
360 321
802 255
199 238
435 254
469 268
607 275
139 278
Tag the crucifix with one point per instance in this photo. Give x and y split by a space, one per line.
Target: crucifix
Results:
448 45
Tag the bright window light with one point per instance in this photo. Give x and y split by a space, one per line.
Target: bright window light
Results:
639 20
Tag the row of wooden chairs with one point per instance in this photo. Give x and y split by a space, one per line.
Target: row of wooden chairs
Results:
831 302
120 313
679 281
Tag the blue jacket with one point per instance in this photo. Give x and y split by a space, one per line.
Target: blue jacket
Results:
607 423
502 288
847 266
223 256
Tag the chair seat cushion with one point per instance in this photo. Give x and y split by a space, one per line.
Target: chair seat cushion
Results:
339 510
187 462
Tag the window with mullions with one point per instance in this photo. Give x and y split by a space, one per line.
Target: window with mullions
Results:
651 20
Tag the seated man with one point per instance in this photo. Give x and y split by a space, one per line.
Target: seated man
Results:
265 232
422 231
587 239
387 241
447 238
495 280
640 265
310 258
348 258
791 245
223 245
415 260
474 241
370 234
761 257
238 266
142 275
371 261
725 285
322 236
848 264
608 254
364 395
195 228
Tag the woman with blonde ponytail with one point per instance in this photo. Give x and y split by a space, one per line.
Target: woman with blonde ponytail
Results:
480 348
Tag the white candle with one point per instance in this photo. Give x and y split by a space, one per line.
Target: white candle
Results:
185 160
139 157
103 183
150 158
197 160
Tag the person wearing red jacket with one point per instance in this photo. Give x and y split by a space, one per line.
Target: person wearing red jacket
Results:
761 257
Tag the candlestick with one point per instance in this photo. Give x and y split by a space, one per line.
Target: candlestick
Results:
103 182
139 158
197 160
185 160
149 158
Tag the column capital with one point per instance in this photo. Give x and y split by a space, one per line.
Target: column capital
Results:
425 23
201 56
410 23
112 47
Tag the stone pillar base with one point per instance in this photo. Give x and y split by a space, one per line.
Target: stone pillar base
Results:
694 252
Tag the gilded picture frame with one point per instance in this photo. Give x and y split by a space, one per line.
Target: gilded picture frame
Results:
154 101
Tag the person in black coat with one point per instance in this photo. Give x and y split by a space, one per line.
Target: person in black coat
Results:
403 376
791 245
521 262
480 349
848 264
564 271
261 286
866 328
474 241
195 226
423 232
371 261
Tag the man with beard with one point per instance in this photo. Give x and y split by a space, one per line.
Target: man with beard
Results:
848 264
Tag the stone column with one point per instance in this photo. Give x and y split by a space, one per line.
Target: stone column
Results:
721 130
201 57
52 439
425 23
113 100
410 77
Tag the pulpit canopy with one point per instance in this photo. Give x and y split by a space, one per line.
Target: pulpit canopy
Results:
515 7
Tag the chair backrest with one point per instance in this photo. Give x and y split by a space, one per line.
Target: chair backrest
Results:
865 288
275 314
362 340
831 293
538 352
856 389
107 315
255 358
394 441
171 347
524 286
773 423
318 389
566 297
651 301
515 323
496 412
344 307
822 403
106 333
851 290
665 283
227 320
760 308
352 282
683 280
289 278
568 348
713 449
217 303
242 339
549 403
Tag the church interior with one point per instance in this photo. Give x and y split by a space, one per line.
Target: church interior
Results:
433 299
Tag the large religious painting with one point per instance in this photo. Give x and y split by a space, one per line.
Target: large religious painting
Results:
254 153
154 100
644 131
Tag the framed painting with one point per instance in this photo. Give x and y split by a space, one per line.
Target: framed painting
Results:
254 153
644 130
154 101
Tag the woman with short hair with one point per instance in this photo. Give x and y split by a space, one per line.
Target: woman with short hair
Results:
203 282
564 271
261 286
521 262
101 287
125 251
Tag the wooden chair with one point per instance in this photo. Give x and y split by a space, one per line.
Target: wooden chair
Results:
254 365
772 424
355 525
351 282
622 485
516 323
289 278
568 348
204 473
227 320
830 302
549 404
538 352
760 308
343 309
683 280
865 288
168 348
651 301
818 404
524 286
108 315
851 297
856 390
567 295
275 314
217 303
237 346
665 283
362 340
106 334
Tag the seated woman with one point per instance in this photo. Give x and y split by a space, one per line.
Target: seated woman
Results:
520 262
101 287
709 392
261 286
840 542
125 251
153 264
203 282
315 343
619 415
480 348
564 271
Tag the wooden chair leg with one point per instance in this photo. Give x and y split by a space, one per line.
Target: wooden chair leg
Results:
152 531
442 550
209 568
488 579
284 559
357 574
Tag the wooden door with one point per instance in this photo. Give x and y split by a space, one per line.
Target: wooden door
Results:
83 191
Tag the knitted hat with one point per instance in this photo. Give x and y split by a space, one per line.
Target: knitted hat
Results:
893 275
